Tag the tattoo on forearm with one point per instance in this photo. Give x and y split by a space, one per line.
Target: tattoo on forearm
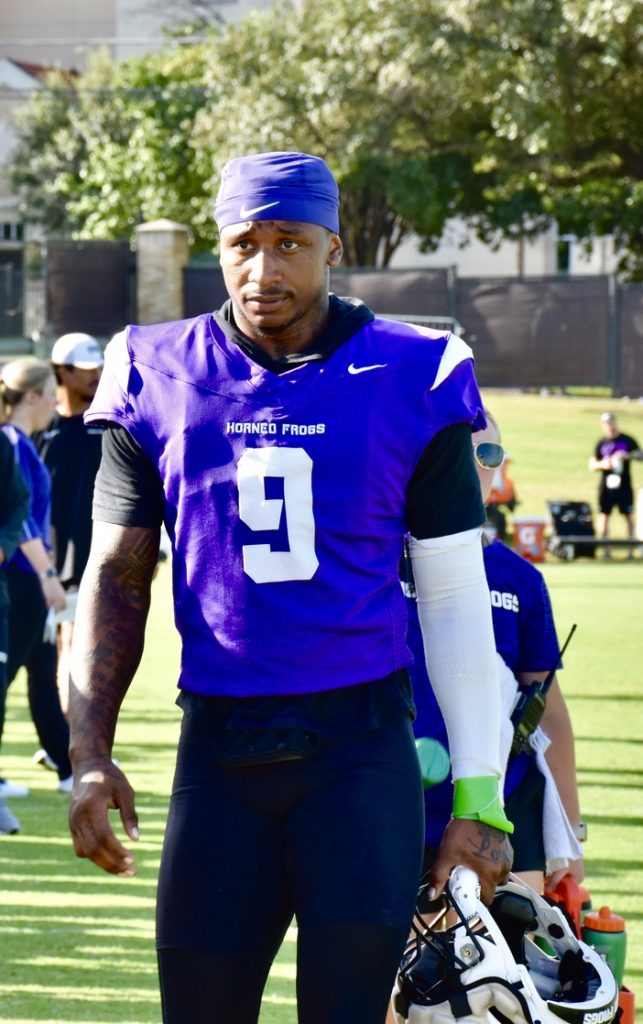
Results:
110 643
132 568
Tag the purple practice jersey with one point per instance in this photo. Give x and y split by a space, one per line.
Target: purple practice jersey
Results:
607 448
285 494
525 637
38 481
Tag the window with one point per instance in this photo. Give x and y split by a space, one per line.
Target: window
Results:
10 232
564 253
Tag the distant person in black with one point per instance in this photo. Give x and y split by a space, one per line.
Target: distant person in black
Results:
611 458
71 452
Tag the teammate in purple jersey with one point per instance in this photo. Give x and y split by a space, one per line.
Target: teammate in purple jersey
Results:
288 442
526 640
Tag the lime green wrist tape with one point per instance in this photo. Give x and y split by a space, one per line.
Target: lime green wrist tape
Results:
477 799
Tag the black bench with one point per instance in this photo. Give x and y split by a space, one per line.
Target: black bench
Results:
565 545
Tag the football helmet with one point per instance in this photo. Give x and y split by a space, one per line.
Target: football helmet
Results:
516 962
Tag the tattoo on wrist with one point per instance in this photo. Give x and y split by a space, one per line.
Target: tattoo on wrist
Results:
490 843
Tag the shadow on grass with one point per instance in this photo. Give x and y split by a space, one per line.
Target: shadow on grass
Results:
83 1008
624 821
621 741
611 698
88 963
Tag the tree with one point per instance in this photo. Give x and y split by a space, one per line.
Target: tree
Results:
153 132
565 140
506 113
113 149
140 162
333 79
48 155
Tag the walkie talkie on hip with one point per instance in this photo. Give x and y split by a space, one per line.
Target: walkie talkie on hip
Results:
531 705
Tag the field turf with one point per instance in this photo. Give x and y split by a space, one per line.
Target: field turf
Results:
77 945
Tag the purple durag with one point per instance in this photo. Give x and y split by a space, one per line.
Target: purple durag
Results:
277 186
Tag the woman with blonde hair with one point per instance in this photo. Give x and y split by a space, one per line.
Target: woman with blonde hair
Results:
28 396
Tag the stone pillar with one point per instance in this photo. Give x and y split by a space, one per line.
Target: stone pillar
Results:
162 251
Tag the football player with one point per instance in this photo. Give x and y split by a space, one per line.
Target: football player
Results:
288 442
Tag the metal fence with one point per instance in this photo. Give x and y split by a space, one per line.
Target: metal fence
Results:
11 296
438 323
525 332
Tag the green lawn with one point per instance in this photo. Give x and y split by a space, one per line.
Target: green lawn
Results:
550 438
77 945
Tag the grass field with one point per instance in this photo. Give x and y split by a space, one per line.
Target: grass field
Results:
77 945
549 439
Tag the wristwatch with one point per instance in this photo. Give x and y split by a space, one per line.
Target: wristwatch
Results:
580 831
48 574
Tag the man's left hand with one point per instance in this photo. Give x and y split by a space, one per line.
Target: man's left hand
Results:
484 849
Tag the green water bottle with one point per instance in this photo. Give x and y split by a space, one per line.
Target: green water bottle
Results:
605 931
435 764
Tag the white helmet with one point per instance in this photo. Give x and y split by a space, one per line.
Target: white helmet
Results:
517 961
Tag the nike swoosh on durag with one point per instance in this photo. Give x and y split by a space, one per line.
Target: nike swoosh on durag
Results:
245 214
362 369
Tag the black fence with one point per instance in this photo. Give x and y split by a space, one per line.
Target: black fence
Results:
541 332
65 286
525 332
89 287
11 294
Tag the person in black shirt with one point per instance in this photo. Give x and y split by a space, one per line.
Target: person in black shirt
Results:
71 452
611 458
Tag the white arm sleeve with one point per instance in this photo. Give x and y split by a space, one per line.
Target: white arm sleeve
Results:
455 617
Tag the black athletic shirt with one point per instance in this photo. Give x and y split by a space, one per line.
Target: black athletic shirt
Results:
128 492
72 454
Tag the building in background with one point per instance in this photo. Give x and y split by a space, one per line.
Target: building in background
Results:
547 254
37 35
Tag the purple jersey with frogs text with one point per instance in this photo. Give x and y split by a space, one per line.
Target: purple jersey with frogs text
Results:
285 494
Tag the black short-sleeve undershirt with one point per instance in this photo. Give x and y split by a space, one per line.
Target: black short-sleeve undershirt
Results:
443 495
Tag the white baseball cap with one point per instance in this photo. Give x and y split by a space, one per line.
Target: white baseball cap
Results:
77 349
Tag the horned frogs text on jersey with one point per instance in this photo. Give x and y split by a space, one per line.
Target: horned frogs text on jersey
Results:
285 494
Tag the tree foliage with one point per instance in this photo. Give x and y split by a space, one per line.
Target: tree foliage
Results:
507 113
333 79
565 84
115 149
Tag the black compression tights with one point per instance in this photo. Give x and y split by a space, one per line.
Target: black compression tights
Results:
344 976
334 840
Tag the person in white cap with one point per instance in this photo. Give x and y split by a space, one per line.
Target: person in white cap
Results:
71 451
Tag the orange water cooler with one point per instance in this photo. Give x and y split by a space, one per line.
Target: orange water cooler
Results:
529 537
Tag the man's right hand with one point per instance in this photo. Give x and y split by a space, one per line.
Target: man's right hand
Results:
98 788
483 848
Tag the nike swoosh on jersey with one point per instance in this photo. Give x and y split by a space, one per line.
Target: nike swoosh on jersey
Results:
246 213
364 369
